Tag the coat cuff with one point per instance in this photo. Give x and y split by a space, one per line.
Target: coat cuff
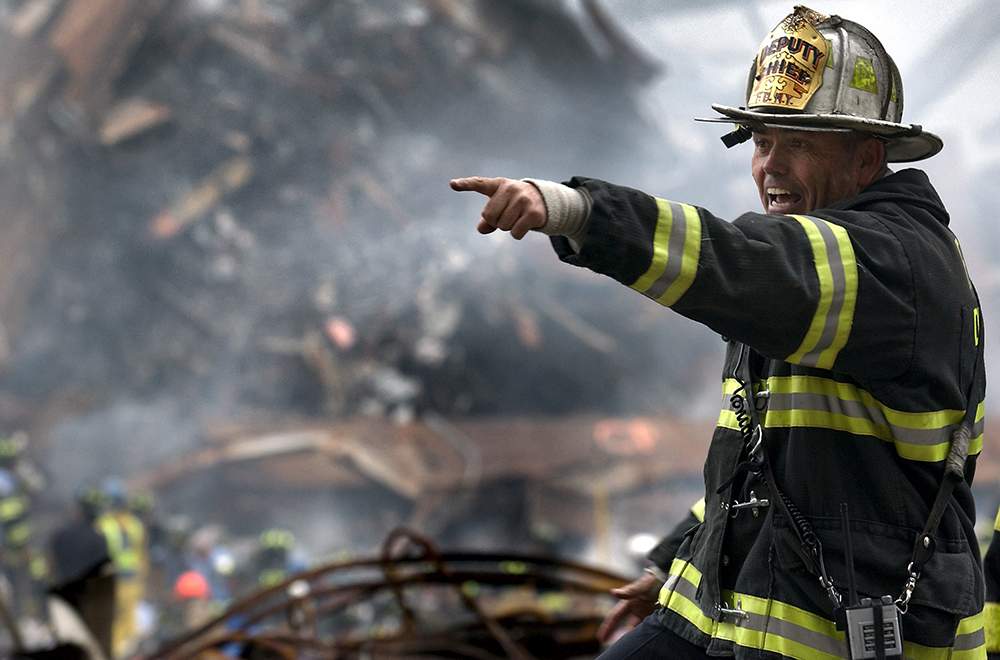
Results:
567 210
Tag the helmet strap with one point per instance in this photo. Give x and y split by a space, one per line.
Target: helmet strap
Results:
737 136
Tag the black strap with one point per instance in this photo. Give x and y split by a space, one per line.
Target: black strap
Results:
879 632
811 548
954 467
924 546
739 135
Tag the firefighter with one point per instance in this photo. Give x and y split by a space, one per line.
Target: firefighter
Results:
126 539
838 481
991 613
275 560
24 568
82 574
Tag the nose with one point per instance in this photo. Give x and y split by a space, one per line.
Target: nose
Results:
775 161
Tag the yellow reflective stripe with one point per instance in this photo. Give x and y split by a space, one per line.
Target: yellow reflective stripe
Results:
791 631
934 453
133 528
971 641
837 273
853 410
12 507
661 236
112 534
770 641
768 617
848 392
822 262
975 325
679 603
679 570
837 422
127 560
689 258
913 651
786 612
17 534
38 568
672 598
698 510
991 621
271 576
845 318
676 251
784 644
996 522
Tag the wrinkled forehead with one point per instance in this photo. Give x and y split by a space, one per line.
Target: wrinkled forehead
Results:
832 138
798 131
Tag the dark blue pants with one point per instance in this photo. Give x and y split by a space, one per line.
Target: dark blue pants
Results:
650 640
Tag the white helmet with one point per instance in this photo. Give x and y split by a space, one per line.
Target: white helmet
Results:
825 73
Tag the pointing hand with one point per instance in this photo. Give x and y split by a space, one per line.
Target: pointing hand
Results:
514 206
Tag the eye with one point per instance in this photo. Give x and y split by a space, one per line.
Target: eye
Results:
761 144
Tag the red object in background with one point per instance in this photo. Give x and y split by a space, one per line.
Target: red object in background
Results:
626 437
341 332
191 585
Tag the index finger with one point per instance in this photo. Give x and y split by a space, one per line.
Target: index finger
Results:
480 184
612 622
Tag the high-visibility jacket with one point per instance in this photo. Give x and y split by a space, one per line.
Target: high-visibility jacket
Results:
991 613
15 517
126 539
870 328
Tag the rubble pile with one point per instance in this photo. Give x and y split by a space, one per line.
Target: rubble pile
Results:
256 214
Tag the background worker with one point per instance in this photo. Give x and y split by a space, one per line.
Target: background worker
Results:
126 539
22 565
81 567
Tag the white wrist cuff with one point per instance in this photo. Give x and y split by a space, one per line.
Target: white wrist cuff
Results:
567 209
656 572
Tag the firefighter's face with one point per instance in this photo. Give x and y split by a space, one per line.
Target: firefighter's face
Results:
800 171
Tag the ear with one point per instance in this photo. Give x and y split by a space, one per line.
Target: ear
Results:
870 156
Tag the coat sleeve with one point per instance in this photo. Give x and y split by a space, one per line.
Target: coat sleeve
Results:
831 290
663 553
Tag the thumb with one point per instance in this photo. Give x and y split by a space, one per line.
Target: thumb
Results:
480 184
623 592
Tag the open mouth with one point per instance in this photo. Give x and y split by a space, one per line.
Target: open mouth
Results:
781 200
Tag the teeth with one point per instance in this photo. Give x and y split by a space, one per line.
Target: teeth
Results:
778 191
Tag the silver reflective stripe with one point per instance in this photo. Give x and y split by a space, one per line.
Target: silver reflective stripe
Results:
867 414
836 262
675 252
795 633
837 278
859 410
969 641
675 584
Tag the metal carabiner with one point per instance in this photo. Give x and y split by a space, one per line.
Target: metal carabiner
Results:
903 602
753 504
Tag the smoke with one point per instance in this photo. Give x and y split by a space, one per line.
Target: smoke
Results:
347 219
161 325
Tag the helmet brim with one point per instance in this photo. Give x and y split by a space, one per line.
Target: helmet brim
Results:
905 143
